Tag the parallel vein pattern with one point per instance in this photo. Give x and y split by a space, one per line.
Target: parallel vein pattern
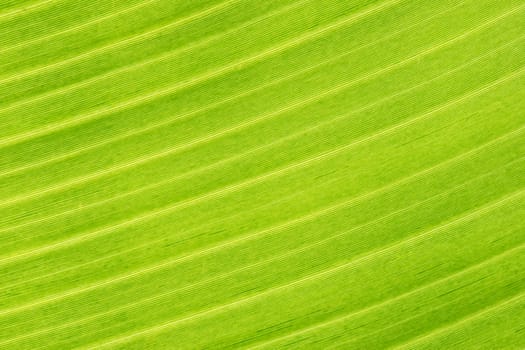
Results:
245 174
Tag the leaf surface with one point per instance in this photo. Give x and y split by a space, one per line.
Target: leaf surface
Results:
246 174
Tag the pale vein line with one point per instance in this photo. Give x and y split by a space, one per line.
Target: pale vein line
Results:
370 256
76 27
24 9
132 39
234 97
52 127
352 314
483 312
231 188
243 125
251 236
265 261
149 61
241 155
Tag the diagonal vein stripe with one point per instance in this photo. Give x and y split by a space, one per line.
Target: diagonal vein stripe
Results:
53 127
370 256
412 344
231 188
249 152
134 38
272 229
258 119
272 83
25 9
278 257
412 292
77 27
118 251
150 61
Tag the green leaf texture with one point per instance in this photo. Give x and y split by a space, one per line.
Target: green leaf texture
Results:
262 174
